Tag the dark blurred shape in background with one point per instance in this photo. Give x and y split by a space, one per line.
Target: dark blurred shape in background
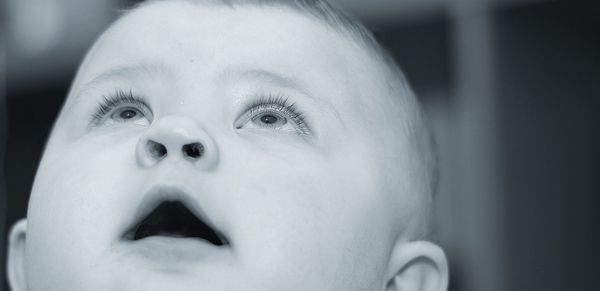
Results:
3 136
511 88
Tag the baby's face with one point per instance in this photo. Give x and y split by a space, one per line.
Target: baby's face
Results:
210 148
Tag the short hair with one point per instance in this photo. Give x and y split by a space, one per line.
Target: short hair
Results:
419 132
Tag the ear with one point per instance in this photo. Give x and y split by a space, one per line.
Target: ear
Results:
16 256
417 266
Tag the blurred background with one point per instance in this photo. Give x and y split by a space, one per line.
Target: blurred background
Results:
511 88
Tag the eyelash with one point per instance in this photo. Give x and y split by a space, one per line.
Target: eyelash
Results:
278 104
114 100
275 103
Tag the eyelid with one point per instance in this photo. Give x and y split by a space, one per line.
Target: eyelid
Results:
117 100
274 104
266 108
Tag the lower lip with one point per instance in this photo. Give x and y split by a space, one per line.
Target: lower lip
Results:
164 249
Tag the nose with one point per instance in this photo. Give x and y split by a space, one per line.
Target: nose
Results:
175 137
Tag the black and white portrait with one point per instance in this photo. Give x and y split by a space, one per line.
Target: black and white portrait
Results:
393 145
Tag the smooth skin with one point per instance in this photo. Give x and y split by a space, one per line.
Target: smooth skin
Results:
327 209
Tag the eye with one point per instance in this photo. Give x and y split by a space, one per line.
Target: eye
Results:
122 108
274 114
126 114
269 120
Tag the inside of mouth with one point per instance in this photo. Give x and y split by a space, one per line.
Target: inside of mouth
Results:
174 219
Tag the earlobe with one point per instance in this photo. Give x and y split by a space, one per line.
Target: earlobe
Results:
418 265
16 256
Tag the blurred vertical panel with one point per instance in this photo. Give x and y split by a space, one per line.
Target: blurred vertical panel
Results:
478 189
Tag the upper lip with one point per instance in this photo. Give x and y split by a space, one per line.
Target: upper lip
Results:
164 193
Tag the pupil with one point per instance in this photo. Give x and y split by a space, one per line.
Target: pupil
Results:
128 114
268 119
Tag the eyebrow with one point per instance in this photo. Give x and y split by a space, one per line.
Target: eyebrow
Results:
128 70
269 76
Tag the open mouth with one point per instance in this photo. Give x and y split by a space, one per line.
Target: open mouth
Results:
174 219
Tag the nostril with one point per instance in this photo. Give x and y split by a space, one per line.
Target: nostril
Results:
193 150
156 150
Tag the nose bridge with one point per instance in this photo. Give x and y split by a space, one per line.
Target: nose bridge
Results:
177 137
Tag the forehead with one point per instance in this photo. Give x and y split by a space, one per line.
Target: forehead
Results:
209 37
205 41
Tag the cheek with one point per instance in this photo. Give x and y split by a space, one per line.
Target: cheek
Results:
86 178
299 211
74 213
